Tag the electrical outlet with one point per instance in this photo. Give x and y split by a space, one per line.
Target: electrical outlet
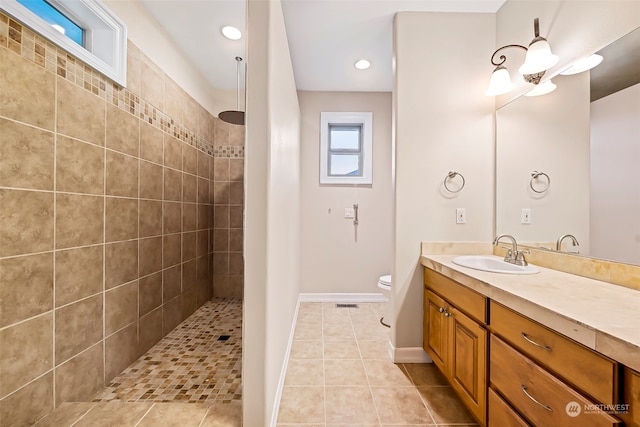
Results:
349 213
525 216
461 216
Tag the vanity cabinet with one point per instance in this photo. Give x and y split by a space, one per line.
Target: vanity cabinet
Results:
548 378
631 397
455 337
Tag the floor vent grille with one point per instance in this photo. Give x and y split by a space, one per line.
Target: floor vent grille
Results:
346 305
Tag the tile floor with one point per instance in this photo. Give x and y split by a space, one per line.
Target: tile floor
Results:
340 374
197 362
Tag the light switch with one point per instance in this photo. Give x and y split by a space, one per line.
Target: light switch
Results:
525 216
461 216
349 213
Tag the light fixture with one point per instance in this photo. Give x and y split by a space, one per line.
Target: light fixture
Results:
235 117
537 61
232 33
542 89
362 64
583 65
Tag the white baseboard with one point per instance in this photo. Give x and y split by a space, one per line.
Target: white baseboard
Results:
283 372
408 355
342 297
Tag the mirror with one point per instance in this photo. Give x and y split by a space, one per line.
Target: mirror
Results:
569 162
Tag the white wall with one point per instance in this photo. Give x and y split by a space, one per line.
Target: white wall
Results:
271 209
145 32
548 133
615 176
574 28
442 122
332 259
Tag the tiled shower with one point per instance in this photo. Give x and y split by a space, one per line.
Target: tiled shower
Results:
120 215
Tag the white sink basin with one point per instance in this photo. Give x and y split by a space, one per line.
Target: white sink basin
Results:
493 264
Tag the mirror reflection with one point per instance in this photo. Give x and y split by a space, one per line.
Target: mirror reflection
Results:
568 163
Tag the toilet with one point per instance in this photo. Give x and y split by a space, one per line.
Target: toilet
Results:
384 283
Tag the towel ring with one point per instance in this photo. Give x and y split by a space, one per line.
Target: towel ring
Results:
451 175
534 176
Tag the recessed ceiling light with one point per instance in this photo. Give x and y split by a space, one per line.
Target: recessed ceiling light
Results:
362 64
231 33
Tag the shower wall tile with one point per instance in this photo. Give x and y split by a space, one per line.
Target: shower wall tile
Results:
190 160
150 293
150 256
120 306
79 220
25 352
79 166
37 171
189 188
150 329
189 216
120 350
151 180
171 250
172 152
121 219
26 287
80 114
150 218
105 223
80 376
121 263
78 326
171 282
30 403
79 273
236 169
123 131
172 185
27 91
122 175
151 141
26 222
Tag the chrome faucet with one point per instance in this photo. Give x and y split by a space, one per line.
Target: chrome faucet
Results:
513 255
565 236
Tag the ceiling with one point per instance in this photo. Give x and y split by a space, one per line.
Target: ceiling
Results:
326 37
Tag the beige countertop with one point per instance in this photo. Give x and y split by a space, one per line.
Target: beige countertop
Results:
600 315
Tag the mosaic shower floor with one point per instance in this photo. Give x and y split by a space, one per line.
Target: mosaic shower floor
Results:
198 362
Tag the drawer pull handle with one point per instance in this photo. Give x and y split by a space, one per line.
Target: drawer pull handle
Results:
547 407
546 347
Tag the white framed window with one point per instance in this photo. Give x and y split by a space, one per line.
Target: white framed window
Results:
84 28
346 148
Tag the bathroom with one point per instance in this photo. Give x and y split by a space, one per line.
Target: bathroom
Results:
431 133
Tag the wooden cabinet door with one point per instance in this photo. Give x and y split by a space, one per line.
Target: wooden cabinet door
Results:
631 397
435 329
468 362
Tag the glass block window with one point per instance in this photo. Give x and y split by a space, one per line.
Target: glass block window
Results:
346 148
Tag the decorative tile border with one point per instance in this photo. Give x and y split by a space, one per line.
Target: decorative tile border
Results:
35 48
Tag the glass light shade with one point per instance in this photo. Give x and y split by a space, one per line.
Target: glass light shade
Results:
539 58
583 65
542 89
500 82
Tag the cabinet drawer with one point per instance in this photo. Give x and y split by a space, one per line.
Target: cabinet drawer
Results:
501 414
587 370
468 301
540 397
